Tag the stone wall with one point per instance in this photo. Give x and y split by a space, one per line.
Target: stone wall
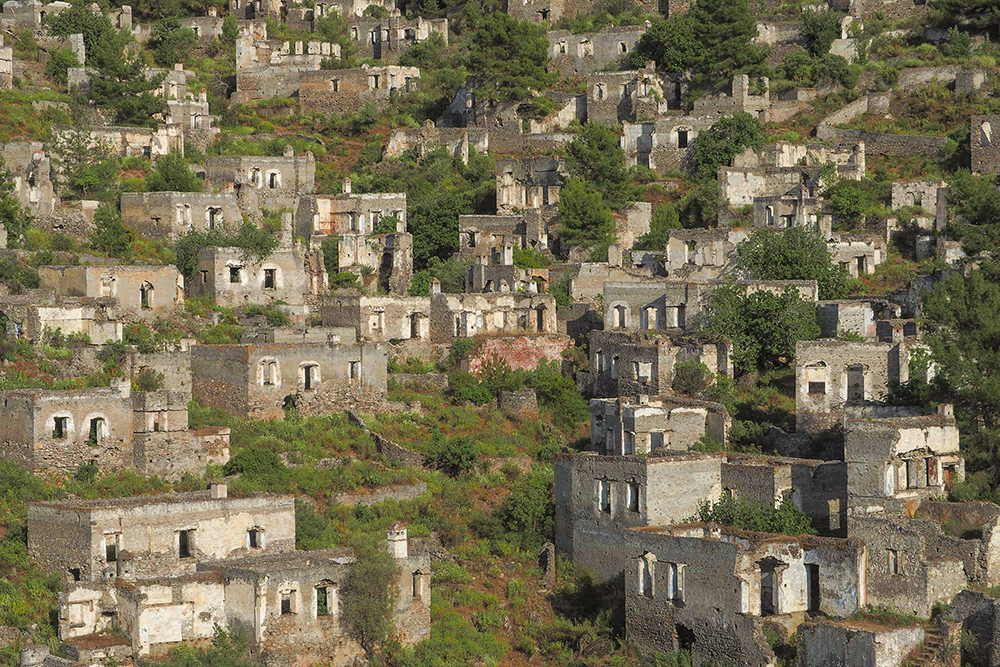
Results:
521 352
168 215
381 494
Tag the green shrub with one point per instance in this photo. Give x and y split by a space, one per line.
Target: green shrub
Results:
691 377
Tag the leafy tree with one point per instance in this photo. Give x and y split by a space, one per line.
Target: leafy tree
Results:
529 258
450 273
670 43
585 220
963 331
762 326
109 234
665 217
369 595
595 155
529 511
60 60
974 205
121 82
510 58
725 30
959 44
14 218
792 254
255 463
719 144
831 69
850 201
171 43
558 393
172 174
77 19
821 27
86 168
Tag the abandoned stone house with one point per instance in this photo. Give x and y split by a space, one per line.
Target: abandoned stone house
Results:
663 143
168 215
480 235
381 319
161 570
531 183
599 496
635 363
466 315
347 90
591 52
858 253
456 140
31 169
140 141
51 430
29 14
389 38
782 168
153 536
625 426
632 95
863 317
921 551
985 149
794 208
832 374
289 275
263 182
274 68
257 381
701 254
653 305
28 315
497 273
379 260
187 109
147 291
709 589
350 213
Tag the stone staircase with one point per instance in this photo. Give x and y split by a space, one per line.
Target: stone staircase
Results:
929 652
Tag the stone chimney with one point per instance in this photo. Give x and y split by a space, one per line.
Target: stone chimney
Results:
289 152
219 491
285 239
946 410
347 186
507 255
435 286
614 255
396 540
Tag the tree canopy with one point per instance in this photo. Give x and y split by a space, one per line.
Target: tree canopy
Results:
792 254
719 144
762 326
974 206
510 57
369 595
172 174
585 220
596 156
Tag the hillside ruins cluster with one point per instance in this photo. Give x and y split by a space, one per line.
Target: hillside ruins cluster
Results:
145 574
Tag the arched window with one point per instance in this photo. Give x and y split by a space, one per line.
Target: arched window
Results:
309 373
268 373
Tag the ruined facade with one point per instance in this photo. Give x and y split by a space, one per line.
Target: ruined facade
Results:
31 169
255 381
147 291
632 95
263 182
624 426
632 364
466 315
379 318
350 213
480 235
168 569
53 430
528 184
29 315
389 38
169 215
591 52
347 90
832 374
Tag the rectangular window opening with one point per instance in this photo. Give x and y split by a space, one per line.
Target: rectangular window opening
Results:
269 282
60 427
185 543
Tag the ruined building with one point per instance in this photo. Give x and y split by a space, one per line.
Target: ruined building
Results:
625 426
263 182
156 571
345 91
166 216
257 381
54 430
147 291
591 52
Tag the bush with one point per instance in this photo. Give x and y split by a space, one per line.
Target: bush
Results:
691 377
787 519
453 456
147 379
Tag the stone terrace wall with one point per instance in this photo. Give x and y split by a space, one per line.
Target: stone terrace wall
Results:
403 492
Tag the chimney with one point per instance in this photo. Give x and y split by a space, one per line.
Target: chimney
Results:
946 410
396 540
347 186
219 491
288 152
435 286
